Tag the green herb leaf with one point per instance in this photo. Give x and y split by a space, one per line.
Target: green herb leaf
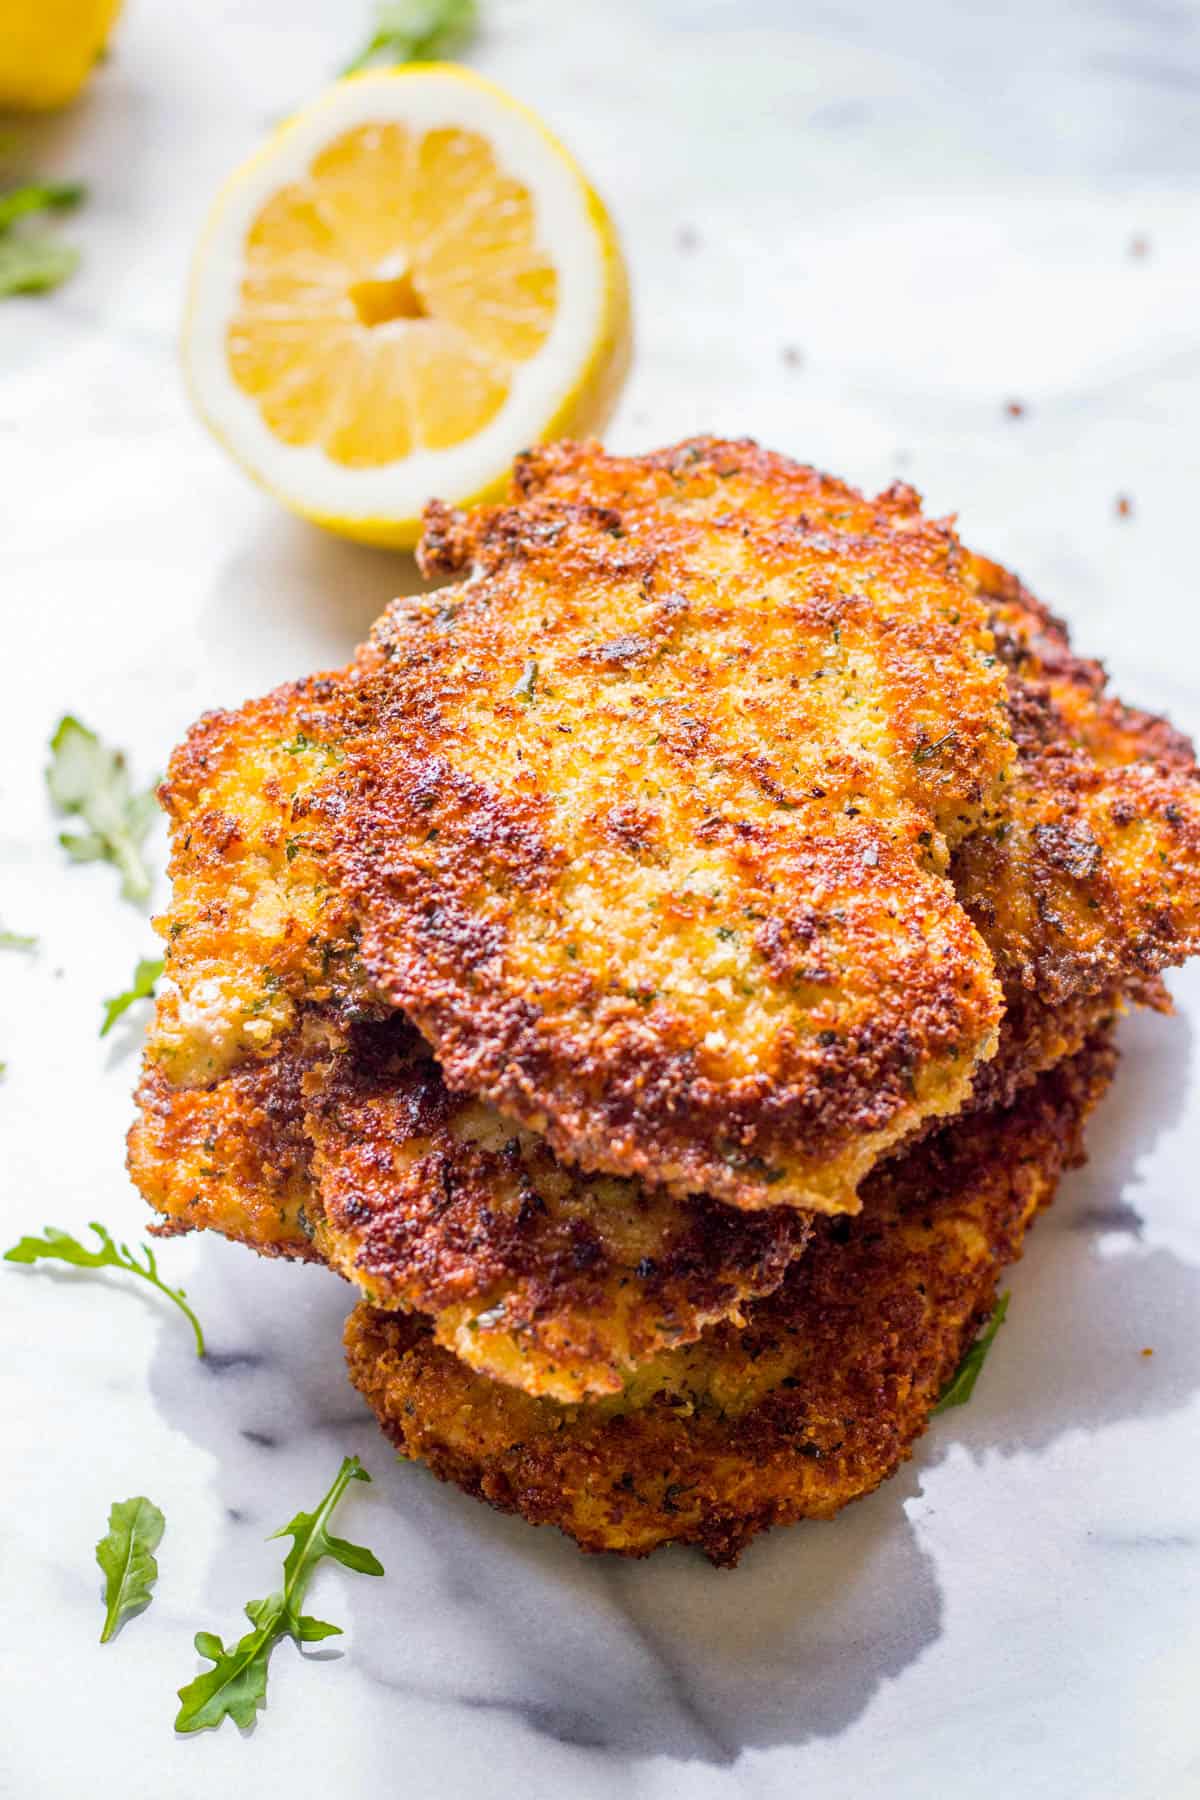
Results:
142 988
301 744
16 940
86 778
416 31
236 1685
961 1386
39 196
34 265
59 1246
126 1558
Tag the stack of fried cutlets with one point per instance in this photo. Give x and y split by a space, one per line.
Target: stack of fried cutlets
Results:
666 971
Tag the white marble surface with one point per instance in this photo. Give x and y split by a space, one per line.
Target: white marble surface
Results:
933 206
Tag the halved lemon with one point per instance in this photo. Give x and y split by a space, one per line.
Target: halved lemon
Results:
409 283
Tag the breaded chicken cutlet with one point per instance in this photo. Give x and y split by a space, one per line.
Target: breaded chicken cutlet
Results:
645 822
317 1124
537 1275
1087 883
811 1406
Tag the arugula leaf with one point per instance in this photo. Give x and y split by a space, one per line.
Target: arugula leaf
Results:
126 1558
34 265
39 196
142 988
236 1685
87 778
961 1386
416 31
59 1246
16 940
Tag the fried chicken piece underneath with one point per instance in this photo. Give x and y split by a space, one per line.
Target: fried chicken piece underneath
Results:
232 1157
348 1148
815 1403
255 928
1087 880
554 1280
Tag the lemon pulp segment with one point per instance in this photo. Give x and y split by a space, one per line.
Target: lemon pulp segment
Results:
387 295
409 283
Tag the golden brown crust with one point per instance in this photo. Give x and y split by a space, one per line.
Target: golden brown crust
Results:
558 1282
1035 1036
231 1158
814 1404
644 822
1087 881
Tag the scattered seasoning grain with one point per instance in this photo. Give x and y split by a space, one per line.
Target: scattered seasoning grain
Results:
1015 409
1139 248
923 752
524 689
1124 506
1147 1353
791 357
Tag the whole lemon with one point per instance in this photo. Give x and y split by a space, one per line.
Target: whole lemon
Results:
48 49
